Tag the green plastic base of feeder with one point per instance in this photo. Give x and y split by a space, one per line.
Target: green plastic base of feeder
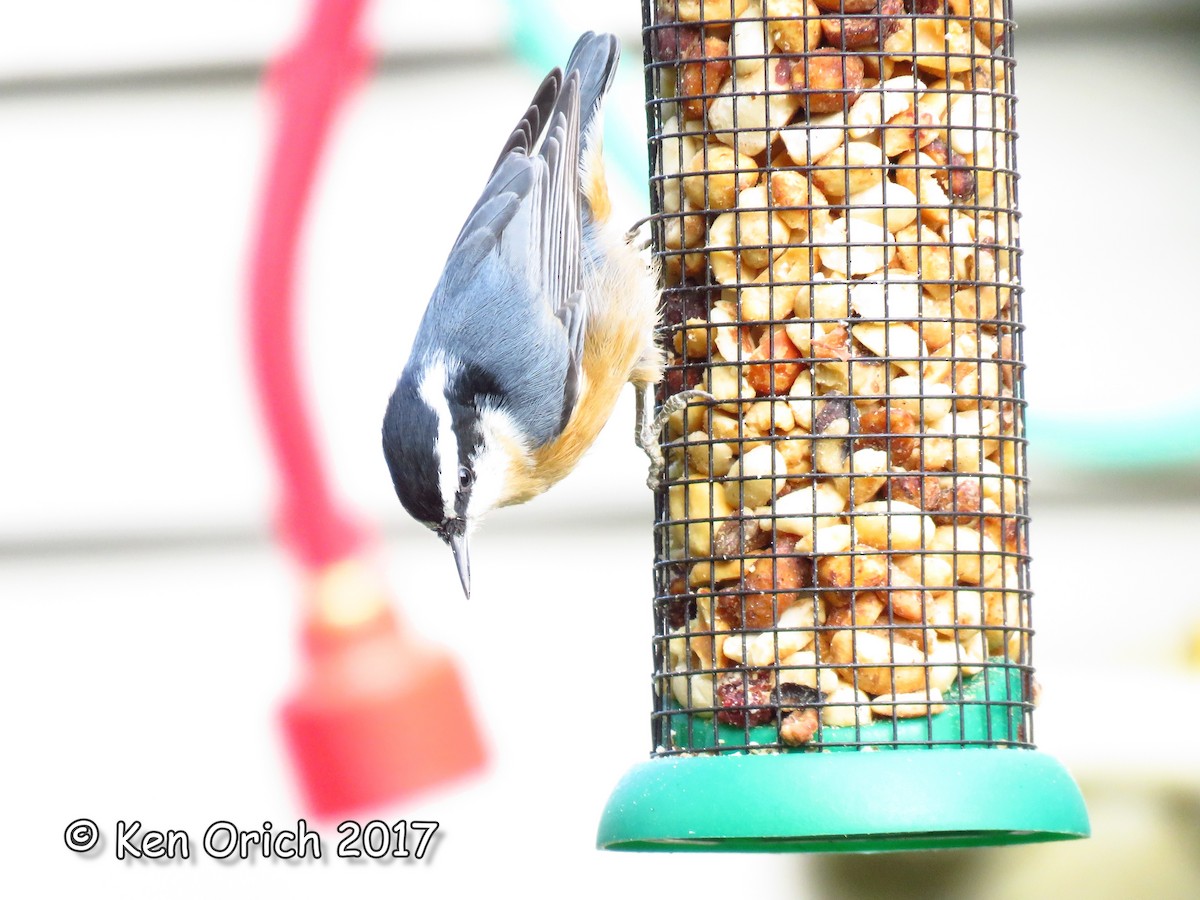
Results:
844 802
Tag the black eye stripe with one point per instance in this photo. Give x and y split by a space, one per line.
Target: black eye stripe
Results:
467 387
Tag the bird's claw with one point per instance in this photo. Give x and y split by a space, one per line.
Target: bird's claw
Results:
650 427
634 236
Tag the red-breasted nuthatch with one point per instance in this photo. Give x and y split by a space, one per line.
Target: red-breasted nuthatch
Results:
543 312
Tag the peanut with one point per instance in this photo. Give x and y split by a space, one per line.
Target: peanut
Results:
854 246
882 665
846 707
755 478
892 525
858 32
748 110
750 43
776 376
709 11
798 201
811 142
716 175
802 511
909 704
828 81
706 68
760 232
794 25
849 168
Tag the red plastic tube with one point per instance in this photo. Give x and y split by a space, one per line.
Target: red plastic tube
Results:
309 82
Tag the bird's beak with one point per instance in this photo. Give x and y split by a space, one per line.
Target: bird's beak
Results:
458 543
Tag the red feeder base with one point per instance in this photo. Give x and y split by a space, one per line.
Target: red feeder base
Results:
377 719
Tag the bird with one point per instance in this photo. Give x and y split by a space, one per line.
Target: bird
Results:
544 310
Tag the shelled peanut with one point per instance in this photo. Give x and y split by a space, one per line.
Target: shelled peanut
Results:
838 240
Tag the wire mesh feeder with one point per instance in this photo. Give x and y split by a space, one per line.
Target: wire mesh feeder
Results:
841 550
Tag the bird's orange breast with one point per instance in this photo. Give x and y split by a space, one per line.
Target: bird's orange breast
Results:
611 351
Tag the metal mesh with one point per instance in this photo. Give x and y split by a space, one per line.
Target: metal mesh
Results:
841 549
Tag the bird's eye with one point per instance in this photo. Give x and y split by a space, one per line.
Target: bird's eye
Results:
465 478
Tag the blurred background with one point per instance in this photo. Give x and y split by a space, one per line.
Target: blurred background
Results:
149 620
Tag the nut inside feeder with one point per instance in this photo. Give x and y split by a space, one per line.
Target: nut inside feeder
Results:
841 548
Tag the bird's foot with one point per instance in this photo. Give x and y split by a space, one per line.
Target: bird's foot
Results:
649 427
639 236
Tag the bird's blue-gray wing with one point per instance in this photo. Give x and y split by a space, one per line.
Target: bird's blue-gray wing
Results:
555 232
519 256
516 265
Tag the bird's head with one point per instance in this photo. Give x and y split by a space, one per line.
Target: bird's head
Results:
447 465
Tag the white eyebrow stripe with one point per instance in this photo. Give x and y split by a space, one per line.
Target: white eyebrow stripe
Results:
433 392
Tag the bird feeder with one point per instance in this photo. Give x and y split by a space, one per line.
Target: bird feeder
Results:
842 648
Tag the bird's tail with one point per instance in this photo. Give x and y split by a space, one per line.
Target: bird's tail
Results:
595 59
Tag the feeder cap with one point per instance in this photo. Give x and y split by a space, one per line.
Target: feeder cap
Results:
379 719
840 801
